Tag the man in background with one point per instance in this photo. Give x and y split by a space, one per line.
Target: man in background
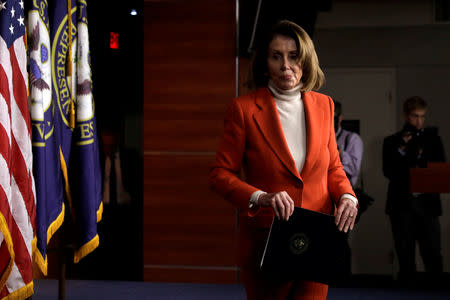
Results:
414 217
350 146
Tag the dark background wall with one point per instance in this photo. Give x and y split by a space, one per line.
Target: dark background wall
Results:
408 39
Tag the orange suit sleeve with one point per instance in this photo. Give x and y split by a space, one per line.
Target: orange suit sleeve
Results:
338 183
224 173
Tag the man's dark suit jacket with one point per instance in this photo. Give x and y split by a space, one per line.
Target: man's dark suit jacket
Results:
396 168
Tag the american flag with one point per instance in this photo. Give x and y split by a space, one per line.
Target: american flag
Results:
17 194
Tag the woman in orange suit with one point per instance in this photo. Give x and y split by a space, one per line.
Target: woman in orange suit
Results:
282 137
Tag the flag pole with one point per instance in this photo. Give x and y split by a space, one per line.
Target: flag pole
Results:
62 266
62 254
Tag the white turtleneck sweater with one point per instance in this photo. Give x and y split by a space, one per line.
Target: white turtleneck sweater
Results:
292 117
291 112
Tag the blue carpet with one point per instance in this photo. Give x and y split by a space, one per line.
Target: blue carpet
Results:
87 289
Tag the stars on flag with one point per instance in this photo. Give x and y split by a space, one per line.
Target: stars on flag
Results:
2 5
20 20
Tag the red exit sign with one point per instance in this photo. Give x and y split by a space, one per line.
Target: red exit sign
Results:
114 40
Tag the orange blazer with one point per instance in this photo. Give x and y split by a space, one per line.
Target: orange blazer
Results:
253 140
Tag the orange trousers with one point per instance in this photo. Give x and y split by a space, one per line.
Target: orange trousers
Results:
257 287
260 287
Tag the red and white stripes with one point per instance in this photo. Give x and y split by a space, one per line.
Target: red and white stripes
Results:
17 193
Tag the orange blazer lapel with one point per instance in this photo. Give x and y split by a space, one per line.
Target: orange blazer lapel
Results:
269 124
314 119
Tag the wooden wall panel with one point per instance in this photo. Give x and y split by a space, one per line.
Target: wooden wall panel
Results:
189 72
185 222
189 77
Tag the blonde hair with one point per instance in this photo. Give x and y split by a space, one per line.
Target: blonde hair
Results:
312 78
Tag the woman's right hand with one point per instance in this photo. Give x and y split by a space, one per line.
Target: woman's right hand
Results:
281 202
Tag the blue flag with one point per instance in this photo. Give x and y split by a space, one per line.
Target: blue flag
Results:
85 174
75 123
46 165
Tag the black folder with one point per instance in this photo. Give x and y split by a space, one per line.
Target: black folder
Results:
309 247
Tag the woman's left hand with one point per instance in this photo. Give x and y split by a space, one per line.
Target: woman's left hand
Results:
346 214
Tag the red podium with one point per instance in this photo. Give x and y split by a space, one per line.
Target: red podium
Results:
433 179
